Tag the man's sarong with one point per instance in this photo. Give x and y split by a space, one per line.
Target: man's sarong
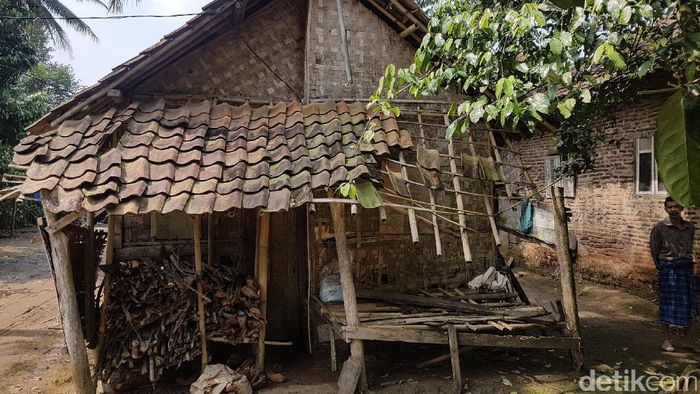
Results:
678 304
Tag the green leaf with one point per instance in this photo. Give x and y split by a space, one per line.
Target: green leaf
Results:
556 46
539 102
508 88
367 195
449 133
477 111
646 11
599 52
585 96
616 58
499 87
522 67
677 148
625 15
644 68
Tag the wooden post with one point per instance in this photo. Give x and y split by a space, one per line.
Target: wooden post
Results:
262 269
357 351
210 239
566 269
68 305
460 204
89 275
454 357
411 212
106 286
334 358
431 194
14 218
200 291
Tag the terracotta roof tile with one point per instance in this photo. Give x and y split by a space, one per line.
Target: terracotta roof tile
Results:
200 158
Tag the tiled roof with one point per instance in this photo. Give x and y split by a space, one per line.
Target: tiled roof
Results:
203 157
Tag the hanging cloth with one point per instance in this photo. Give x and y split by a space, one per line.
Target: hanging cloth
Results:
527 211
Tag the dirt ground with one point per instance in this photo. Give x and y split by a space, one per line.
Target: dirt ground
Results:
619 332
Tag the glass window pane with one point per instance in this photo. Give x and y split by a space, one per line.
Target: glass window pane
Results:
645 172
644 144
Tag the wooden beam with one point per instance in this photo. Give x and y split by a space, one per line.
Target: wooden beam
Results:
466 250
68 305
566 270
357 351
454 358
344 42
408 30
90 276
198 266
394 334
262 269
61 223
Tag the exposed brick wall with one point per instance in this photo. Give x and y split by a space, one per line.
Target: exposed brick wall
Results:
609 218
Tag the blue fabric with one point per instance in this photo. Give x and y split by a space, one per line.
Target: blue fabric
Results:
678 303
526 214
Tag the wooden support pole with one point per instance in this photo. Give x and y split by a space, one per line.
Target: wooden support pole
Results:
344 43
431 195
454 358
334 358
357 351
411 212
262 269
210 240
566 269
14 218
198 266
499 160
460 203
487 200
90 274
68 305
106 287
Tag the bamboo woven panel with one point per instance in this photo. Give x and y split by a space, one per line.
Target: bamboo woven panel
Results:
262 58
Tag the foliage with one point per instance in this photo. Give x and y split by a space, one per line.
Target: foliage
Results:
677 147
567 63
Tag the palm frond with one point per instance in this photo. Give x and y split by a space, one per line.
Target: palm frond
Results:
117 6
53 29
57 9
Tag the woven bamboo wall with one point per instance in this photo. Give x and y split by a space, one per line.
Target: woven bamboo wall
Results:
372 45
263 58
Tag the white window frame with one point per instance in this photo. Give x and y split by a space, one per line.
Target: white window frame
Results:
654 170
568 183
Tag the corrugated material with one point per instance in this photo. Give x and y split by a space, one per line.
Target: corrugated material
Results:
202 157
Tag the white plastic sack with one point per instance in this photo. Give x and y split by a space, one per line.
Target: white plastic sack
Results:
218 378
330 289
490 280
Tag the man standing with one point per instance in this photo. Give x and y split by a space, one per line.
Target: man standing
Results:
671 245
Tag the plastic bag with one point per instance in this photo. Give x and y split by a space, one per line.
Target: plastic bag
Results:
330 289
490 280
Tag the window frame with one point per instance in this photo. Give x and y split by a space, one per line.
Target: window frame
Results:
654 170
551 162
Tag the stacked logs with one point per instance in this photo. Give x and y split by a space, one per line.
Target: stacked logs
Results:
152 316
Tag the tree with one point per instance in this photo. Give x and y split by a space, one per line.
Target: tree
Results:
562 63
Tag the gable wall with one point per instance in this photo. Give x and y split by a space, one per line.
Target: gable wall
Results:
261 59
372 45
611 221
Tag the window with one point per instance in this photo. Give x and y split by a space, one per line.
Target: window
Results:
646 178
551 163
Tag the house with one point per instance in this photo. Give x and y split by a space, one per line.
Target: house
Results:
217 152
615 205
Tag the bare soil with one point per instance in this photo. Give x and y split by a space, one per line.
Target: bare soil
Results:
619 332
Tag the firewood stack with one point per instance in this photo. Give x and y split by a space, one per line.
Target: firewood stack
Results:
152 316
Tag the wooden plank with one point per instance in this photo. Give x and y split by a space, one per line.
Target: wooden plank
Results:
262 268
68 304
334 360
61 223
411 212
454 358
107 285
566 270
458 197
421 301
198 266
349 376
431 195
396 334
347 284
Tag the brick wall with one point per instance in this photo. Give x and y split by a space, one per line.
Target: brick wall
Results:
611 221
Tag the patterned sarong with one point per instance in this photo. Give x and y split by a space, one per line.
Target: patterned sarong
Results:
678 304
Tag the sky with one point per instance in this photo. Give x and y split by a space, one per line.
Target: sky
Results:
120 39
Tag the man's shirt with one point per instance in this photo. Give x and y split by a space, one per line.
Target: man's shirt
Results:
669 241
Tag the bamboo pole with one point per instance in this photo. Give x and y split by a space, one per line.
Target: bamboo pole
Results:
499 161
90 274
460 203
431 195
487 200
200 291
68 305
357 351
262 264
411 212
566 269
